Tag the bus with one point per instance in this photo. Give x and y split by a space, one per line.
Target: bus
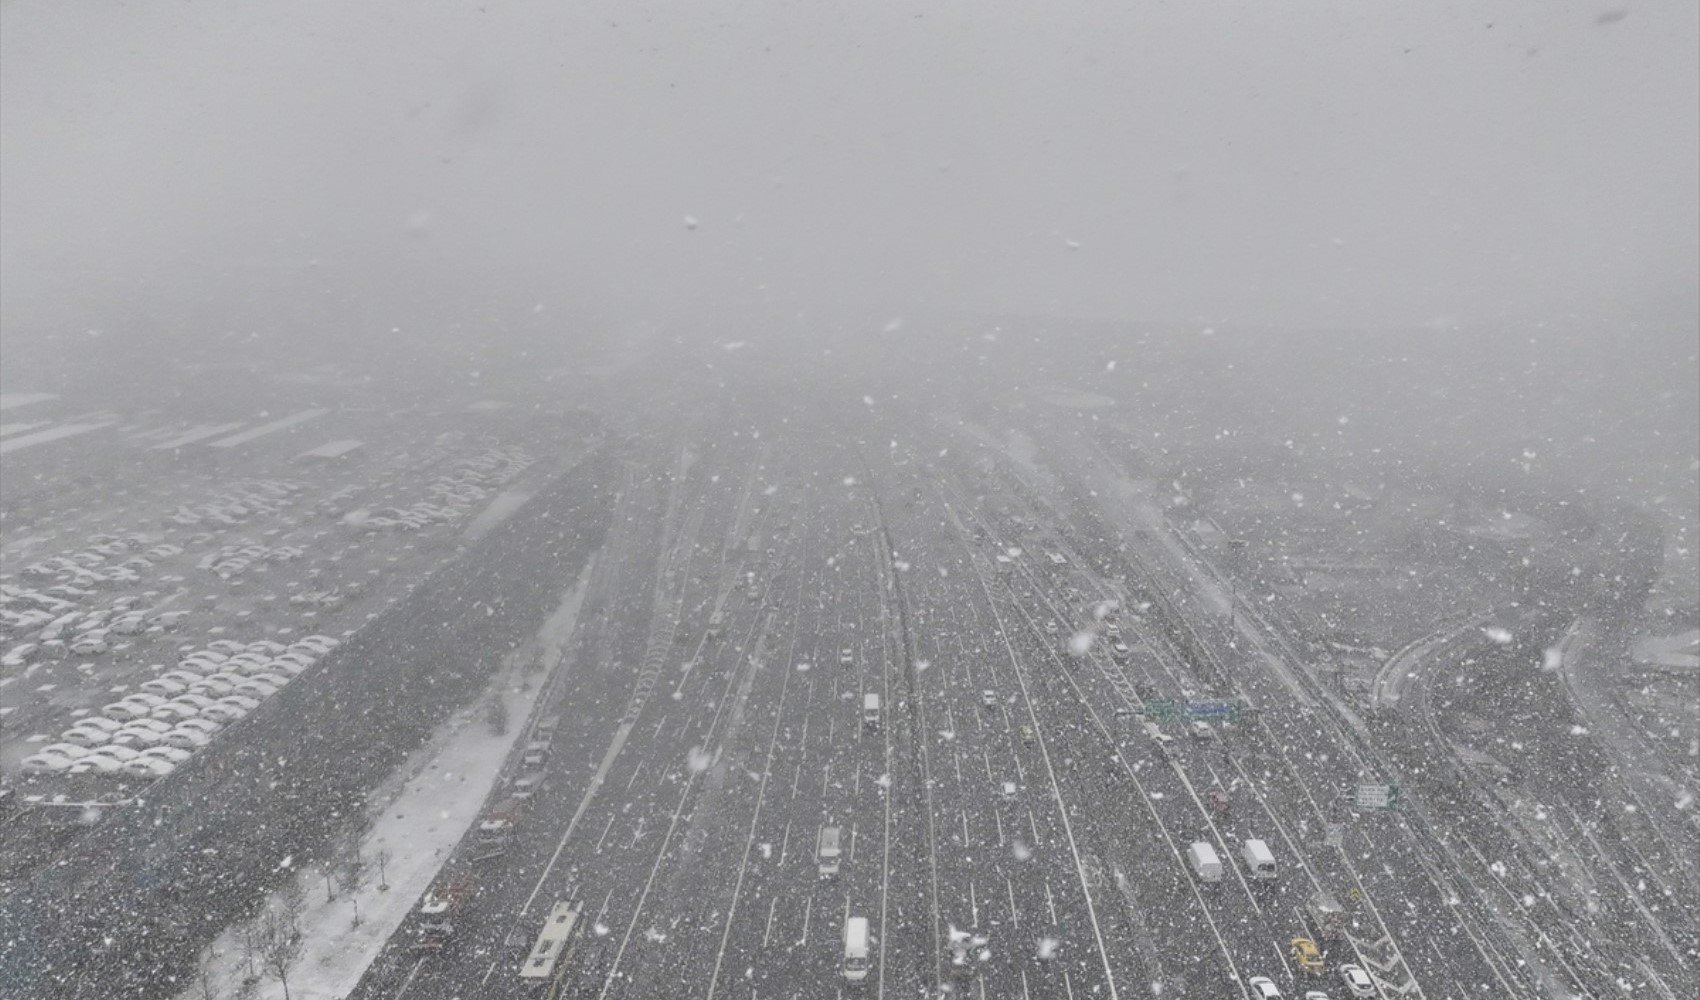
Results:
552 941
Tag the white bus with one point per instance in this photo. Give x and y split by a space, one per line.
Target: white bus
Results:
552 942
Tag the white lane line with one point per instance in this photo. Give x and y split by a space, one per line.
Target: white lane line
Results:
1014 914
852 841
768 933
808 904
750 837
785 844
1050 902
596 780
604 836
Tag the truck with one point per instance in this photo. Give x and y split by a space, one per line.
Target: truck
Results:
855 964
1327 917
1259 860
1205 864
497 827
871 711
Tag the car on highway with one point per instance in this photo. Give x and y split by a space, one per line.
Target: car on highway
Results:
1264 988
1358 983
1306 956
1200 731
989 698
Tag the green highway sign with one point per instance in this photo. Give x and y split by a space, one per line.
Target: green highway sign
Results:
1377 797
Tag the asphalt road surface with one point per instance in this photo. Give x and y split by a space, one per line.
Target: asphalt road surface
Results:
1009 791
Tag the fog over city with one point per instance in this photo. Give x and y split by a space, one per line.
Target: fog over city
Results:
758 499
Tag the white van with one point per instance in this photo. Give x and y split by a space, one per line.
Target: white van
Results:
827 850
855 965
1258 859
1205 864
715 622
871 711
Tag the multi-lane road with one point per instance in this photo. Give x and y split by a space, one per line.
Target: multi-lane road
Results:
712 724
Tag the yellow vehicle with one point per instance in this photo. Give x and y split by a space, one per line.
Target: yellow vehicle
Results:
1307 956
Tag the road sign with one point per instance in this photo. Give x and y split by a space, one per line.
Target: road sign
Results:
1229 710
1377 797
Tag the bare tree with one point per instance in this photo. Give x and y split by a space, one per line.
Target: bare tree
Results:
204 985
280 946
384 857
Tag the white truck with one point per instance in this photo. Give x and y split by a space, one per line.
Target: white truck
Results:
1205 864
871 711
1259 861
855 964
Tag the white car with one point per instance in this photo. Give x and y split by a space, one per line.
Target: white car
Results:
172 755
89 645
254 688
1264 988
223 712
182 676
175 711
97 723
1357 981
226 646
266 646
148 725
138 738
241 701
160 685
149 767
86 736
70 751
204 726
46 763
106 760
20 654
1316 995
214 686
186 739
137 706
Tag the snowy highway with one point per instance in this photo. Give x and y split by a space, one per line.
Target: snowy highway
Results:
683 812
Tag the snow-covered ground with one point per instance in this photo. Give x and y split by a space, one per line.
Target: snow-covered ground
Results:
417 819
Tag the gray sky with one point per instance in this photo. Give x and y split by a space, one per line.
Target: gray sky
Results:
1298 163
